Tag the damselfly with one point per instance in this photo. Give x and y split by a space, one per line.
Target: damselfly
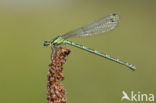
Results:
98 26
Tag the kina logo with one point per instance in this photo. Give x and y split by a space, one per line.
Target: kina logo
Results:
137 96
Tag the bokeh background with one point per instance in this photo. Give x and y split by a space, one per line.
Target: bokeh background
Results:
25 24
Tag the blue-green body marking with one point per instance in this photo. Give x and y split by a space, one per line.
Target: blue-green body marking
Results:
99 26
101 54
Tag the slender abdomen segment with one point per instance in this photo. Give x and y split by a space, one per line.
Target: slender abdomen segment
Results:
132 67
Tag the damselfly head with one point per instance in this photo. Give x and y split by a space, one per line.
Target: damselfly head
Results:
55 42
46 43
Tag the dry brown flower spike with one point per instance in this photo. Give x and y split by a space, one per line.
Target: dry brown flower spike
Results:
56 92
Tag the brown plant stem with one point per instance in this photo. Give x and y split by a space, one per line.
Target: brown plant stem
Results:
56 92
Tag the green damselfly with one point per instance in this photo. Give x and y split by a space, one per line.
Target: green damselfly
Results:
98 26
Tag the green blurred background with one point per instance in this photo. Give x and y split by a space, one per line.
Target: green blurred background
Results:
25 24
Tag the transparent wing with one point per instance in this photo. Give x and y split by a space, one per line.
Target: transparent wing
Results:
98 26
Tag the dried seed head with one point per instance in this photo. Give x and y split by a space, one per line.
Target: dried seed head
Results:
56 92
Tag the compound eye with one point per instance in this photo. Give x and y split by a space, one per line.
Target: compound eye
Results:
46 43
